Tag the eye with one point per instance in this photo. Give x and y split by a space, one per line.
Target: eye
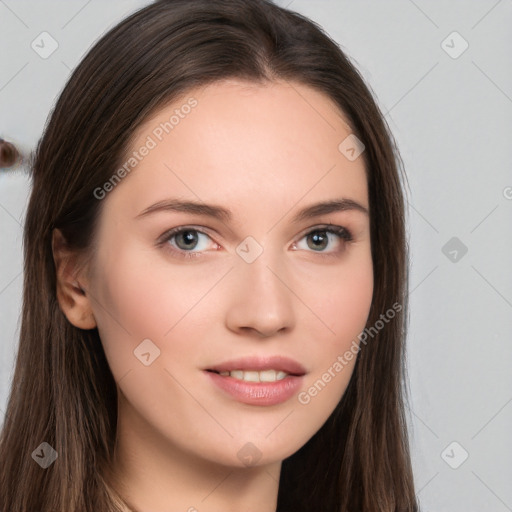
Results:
319 238
183 239
189 242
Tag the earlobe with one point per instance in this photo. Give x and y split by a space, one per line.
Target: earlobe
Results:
71 288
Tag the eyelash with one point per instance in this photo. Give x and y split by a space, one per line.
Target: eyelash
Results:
340 231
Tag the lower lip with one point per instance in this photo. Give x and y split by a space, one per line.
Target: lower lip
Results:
258 393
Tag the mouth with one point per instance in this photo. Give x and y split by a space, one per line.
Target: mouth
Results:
257 380
259 369
270 375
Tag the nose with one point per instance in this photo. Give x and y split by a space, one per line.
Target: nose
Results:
261 302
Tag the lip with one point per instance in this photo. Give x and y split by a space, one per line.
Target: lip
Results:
279 363
259 393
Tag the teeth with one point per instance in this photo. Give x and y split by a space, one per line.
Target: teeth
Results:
253 376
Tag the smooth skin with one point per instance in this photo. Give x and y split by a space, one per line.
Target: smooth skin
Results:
263 152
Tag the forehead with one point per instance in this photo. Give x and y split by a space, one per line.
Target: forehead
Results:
234 139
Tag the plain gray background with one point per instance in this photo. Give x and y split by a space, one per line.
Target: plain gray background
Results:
450 110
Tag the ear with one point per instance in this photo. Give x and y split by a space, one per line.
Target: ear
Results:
71 286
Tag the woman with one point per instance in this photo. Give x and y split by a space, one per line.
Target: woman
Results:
262 370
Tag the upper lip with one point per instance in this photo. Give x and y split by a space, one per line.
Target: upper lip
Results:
279 363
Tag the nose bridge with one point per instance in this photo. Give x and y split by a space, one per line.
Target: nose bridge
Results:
265 274
260 299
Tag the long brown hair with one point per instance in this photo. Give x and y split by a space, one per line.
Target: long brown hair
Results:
63 392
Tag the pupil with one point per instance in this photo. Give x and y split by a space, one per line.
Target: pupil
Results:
319 238
190 237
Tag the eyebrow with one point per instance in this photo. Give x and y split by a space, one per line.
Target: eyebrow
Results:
222 214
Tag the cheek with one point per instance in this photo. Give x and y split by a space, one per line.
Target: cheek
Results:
345 302
140 296
128 306
351 309
344 307
136 301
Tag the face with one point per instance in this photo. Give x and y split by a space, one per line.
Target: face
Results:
269 284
